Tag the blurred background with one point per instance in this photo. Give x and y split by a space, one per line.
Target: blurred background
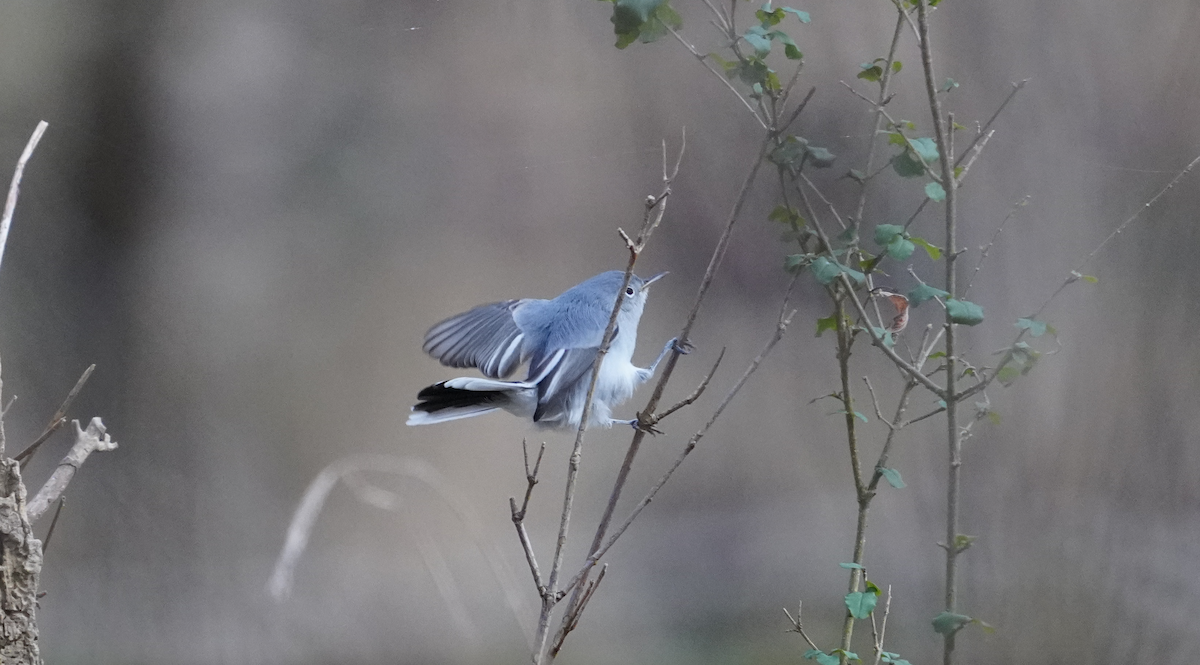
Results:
247 215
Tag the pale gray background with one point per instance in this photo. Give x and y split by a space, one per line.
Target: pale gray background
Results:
248 213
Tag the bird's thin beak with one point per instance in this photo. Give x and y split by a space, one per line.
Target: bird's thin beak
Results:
646 284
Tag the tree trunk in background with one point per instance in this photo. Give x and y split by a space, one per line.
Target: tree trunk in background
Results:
20 564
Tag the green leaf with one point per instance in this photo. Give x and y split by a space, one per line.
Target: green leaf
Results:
855 276
993 417
794 262
828 659
827 323
964 312
723 63
935 191
962 542
874 588
900 248
856 176
788 152
1007 375
768 16
893 477
646 20
925 148
932 250
856 414
922 292
792 53
850 655
820 157
851 566
934 356
803 16
896 67
1036 328
861 604
949 85
896 138
886 233
757 38
886 335
870 72
948 623
906 166
782 213
1090 279
824 270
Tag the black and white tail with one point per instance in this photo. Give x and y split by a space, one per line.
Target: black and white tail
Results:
466 397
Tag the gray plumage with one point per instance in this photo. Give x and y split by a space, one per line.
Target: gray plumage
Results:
558 338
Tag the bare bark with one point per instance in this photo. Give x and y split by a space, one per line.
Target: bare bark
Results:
21 557
87 441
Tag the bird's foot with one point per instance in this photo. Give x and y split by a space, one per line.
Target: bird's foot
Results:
683 348
647 427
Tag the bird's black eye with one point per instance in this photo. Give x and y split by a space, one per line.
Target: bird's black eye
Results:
629 291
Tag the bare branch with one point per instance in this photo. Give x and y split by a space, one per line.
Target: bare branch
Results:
57 420
62 501
798 627
785 318
651 420
983 252
94 438
708 65
550 598
974 152
14 188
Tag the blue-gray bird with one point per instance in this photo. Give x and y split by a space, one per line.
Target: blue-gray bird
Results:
559 338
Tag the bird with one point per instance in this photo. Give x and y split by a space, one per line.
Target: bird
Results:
559 339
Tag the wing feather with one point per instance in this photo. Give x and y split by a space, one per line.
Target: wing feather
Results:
486 337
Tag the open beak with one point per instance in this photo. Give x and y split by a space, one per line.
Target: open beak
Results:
646 284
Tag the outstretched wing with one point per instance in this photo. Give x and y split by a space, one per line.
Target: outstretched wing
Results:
486 337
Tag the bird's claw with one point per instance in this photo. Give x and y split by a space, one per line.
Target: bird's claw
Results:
682 348
649 428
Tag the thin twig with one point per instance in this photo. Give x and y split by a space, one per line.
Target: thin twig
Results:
708 65
62 501
714 264
983 251
785 318
884 84
651 420
57 420
1074 276
551 596
798 627
887 607
518 516
14 187
974 152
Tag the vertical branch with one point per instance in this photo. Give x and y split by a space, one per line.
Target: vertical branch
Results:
714 263
884 84
655 209
945 141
